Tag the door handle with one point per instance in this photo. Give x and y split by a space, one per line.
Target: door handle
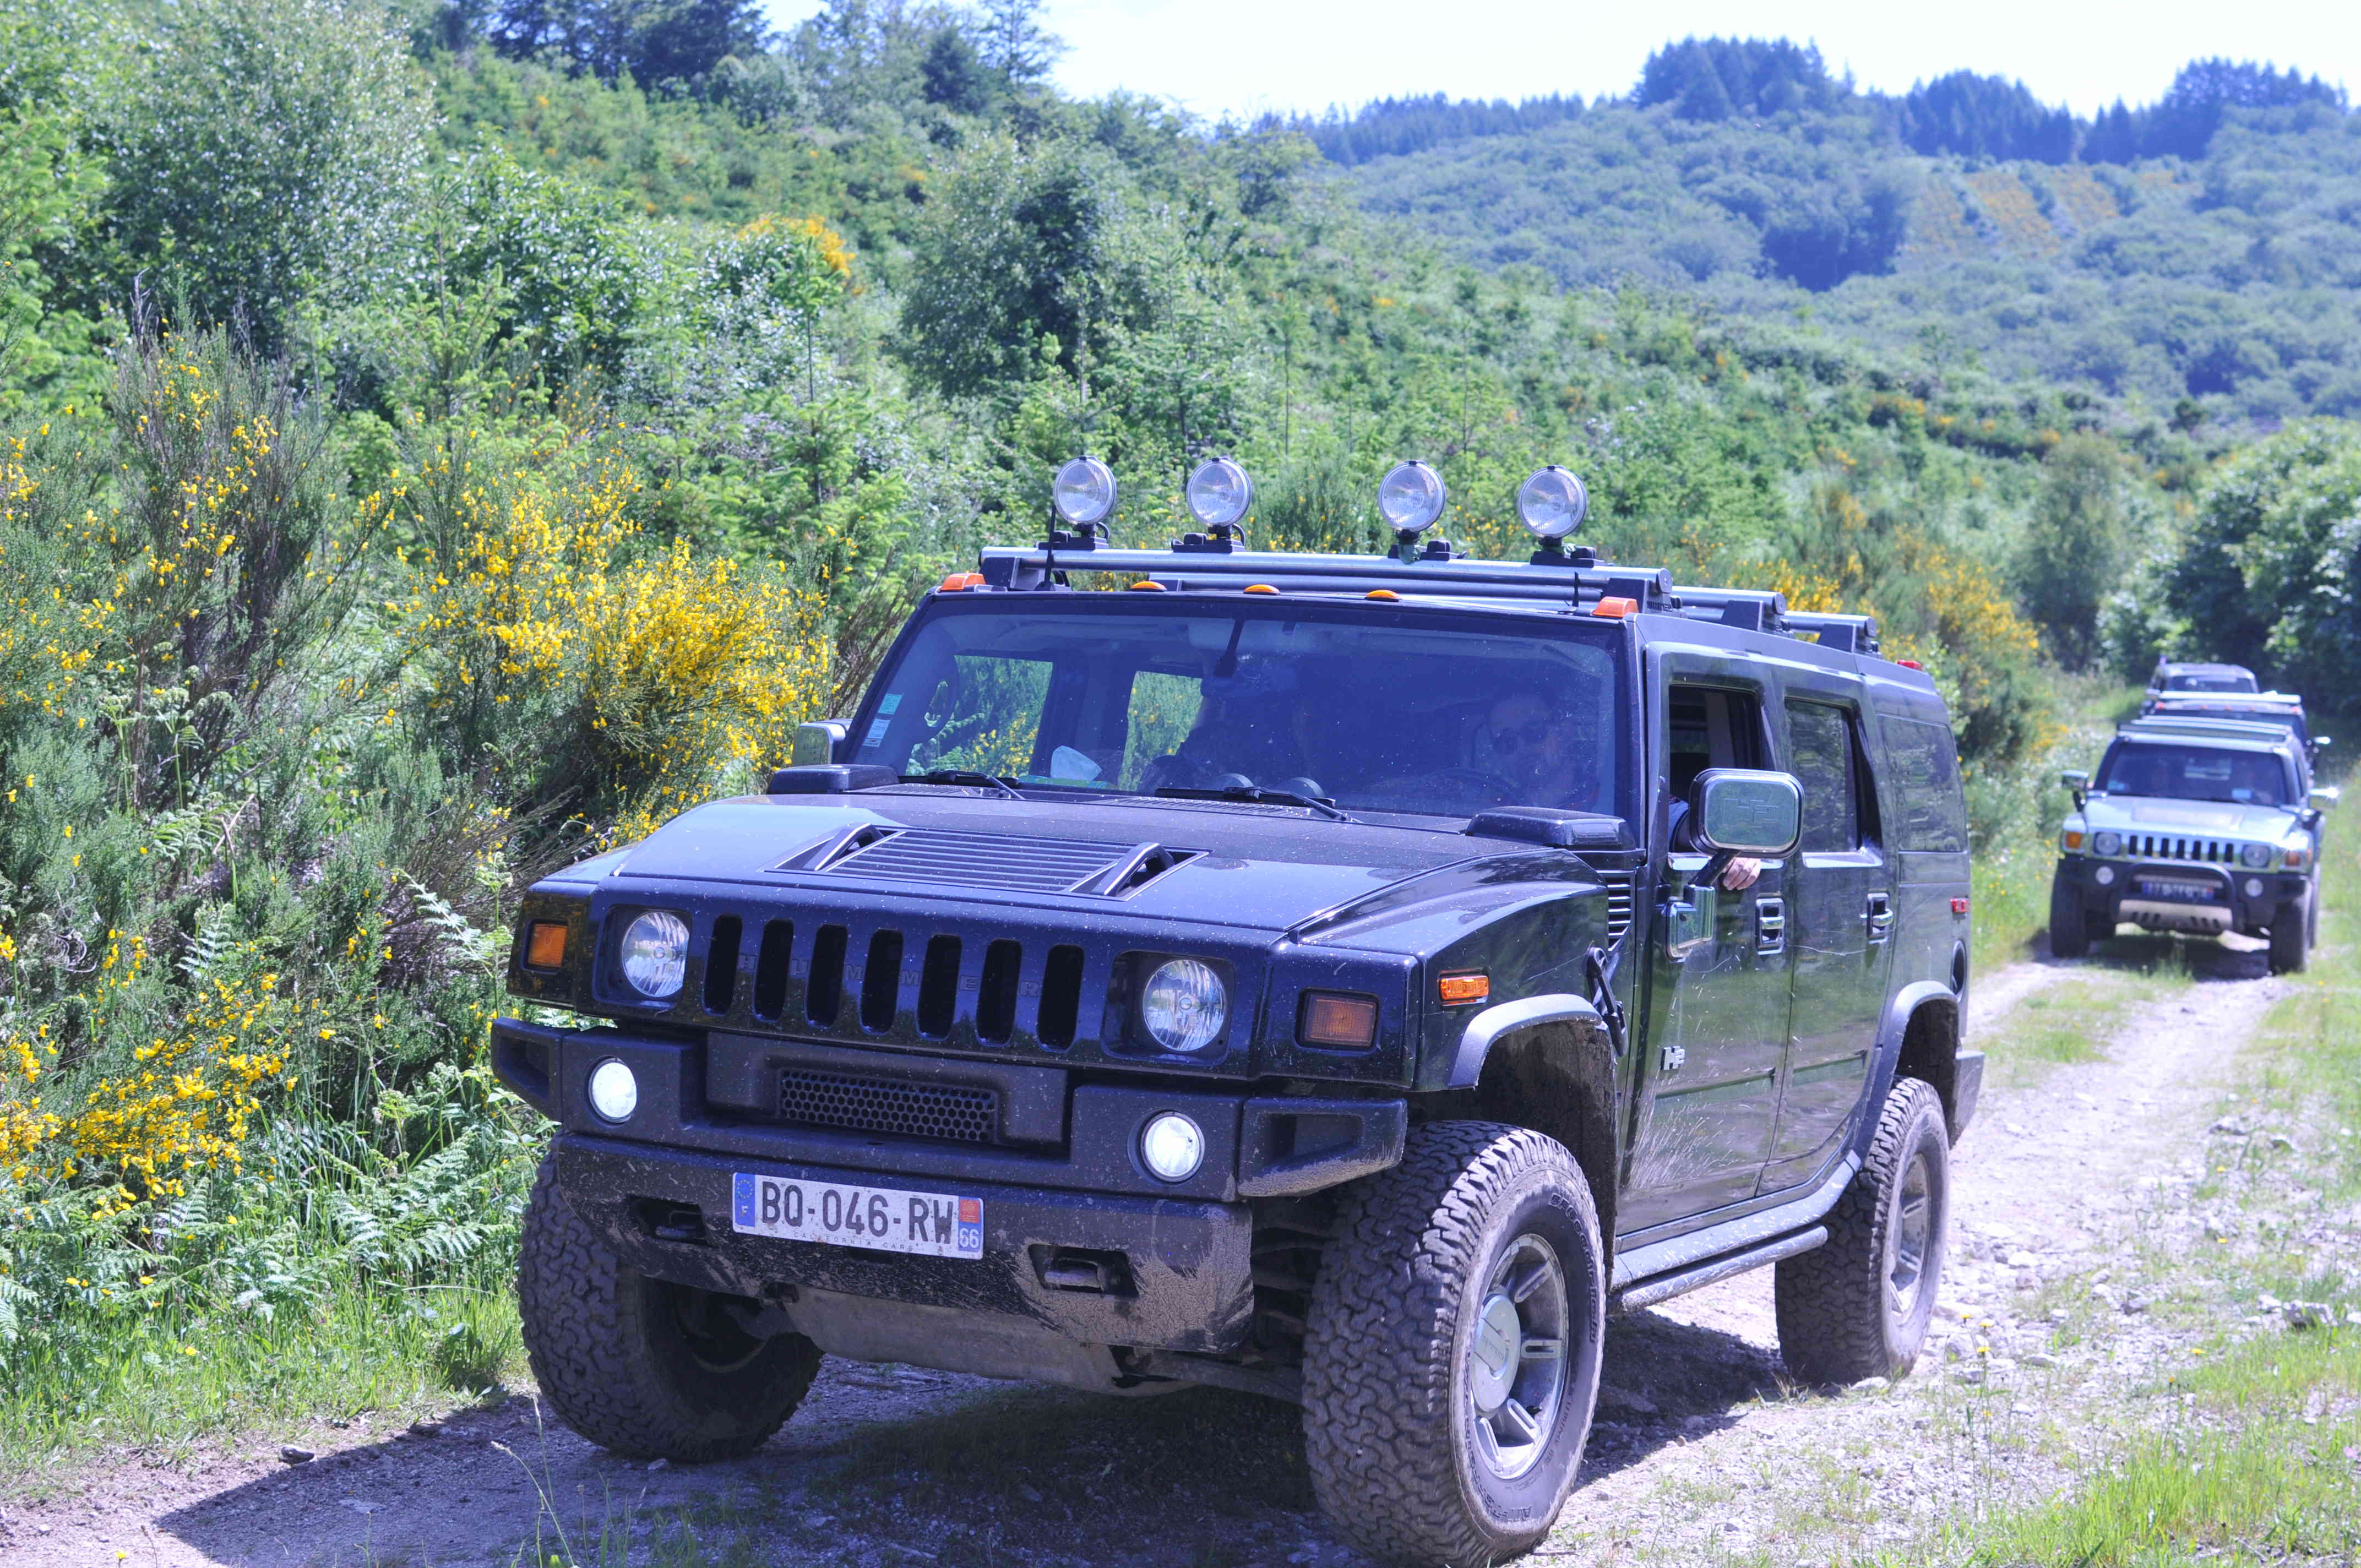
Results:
1770 925
1880 915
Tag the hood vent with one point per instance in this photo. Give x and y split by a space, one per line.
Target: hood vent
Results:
1000 861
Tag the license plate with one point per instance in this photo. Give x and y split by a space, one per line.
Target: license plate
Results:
2186 892
934 1224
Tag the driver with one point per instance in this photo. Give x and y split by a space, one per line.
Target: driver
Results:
1551 758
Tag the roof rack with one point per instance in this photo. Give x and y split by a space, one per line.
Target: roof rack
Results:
1575 580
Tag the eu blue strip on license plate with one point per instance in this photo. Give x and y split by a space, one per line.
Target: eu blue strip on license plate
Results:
932 1225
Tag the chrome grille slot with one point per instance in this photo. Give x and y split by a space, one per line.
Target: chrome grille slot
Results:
938 987
771 969
722 964
947 1112
996 999
881 981
2170 846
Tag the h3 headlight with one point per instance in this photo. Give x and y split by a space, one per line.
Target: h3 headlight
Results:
1184 1005
2254 857
2106 842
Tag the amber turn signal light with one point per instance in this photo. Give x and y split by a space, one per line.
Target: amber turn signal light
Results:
1457 989
545 944
1615 606
1332 1020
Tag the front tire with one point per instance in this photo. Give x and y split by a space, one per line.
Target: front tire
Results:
2291 945
1452 1358
639 1366
2070 931
1859 1306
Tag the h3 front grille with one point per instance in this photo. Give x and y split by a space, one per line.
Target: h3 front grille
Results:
2169 847
947 1113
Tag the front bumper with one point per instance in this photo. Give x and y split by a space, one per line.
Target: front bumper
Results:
1170 1275
2245 901
1080 1239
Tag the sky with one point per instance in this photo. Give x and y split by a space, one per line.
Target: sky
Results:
1242 56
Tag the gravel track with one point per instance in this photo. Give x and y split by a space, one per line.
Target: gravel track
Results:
1703 1449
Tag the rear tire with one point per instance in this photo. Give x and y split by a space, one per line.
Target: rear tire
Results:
2069 936
1453 1352
648 1369
2291 945
2312 916
1859 1306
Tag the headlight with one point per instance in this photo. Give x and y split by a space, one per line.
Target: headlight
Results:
614 1092
1219 493
655 952
1411 497
1552 502
2106 843
1171 1146
1083 491
2256 855
1184 1005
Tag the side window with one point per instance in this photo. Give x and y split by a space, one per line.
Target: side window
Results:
1926 786
1710 728
1821 758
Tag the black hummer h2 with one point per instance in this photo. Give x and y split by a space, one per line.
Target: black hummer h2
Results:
1318 975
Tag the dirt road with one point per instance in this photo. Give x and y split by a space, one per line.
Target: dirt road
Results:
1702 1449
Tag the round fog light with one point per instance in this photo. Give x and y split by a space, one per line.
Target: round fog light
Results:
2105 876
2254 887
1170 1145
614 1092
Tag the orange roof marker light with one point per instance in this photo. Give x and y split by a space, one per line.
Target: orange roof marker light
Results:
1261 589
1615 608
957 581
1381 594
1911 664
1149 584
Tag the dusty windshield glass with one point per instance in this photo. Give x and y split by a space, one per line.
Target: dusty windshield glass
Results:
2197 773
1405 714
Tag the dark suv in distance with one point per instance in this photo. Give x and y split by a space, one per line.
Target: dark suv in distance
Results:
1342 978
2172 676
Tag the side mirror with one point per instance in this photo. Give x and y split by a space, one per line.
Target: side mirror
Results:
817 742
2321 743
2075 779
1740 811
2324 797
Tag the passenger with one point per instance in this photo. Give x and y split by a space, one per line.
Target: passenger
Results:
1555 758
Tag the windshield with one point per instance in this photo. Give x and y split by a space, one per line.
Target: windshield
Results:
1387 710
2210 681
2196 773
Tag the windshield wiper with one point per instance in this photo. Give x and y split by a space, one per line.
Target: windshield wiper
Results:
966 776
1255 794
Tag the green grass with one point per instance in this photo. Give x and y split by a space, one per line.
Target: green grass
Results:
164 1387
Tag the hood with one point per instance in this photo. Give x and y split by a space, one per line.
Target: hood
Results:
1257 867
2227 819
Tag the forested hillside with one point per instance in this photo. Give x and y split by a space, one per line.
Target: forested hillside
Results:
441 439
2198 254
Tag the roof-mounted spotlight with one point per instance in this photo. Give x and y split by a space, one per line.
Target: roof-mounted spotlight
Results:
1552 503
1219 495
1084 494
1411 500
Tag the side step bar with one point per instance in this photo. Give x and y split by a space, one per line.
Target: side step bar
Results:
1664 1286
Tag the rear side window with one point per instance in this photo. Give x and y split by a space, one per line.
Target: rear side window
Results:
1821 758
1925 769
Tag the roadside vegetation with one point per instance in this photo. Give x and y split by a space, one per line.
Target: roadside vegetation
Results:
548 417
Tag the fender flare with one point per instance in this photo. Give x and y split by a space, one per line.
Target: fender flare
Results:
1495 1023
1900 1009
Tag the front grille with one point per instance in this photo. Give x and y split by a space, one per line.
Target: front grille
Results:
949 1112
981 860
2166 847
1618 904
